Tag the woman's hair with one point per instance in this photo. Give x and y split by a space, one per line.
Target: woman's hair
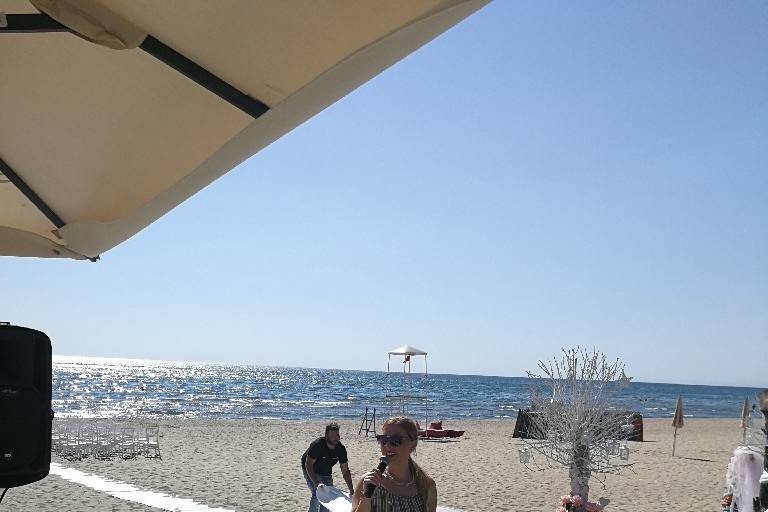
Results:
421 477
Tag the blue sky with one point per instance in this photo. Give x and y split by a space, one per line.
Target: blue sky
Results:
542 175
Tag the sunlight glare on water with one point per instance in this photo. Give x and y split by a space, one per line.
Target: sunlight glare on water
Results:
128 388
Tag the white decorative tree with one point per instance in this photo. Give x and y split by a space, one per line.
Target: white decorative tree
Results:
573 421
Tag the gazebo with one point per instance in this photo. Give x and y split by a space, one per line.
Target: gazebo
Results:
399 401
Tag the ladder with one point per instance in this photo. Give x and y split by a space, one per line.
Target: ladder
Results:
368 424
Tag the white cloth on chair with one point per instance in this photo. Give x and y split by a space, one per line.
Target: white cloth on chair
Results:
336 500
743 476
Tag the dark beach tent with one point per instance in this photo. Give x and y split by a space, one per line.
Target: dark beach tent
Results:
116 111
527 426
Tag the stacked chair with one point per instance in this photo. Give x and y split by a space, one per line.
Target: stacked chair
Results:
76 439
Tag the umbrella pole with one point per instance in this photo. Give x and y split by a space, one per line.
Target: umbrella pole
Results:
426 390
674 442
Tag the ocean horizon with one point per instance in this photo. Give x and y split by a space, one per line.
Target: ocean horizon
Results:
103 387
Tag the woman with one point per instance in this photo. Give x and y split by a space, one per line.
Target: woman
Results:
403 486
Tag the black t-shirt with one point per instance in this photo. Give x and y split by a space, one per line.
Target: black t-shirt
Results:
325 458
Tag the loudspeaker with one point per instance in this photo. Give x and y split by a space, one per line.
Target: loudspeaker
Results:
25 405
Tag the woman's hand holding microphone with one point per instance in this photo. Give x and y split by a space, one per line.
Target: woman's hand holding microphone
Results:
374 478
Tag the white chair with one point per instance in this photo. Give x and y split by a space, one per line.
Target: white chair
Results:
152 442
127 443
107 444
69 443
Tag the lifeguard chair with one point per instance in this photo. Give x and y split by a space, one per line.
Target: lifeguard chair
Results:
401 393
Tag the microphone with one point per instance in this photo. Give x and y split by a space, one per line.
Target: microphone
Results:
370 486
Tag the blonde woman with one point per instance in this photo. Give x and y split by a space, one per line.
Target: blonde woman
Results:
403 486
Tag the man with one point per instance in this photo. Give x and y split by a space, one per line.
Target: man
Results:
762 397
319 459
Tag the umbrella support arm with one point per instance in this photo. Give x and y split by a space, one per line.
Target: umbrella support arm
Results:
203 77
21 186
29 24
30 194
42 23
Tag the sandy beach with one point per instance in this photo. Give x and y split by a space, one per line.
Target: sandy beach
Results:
253 465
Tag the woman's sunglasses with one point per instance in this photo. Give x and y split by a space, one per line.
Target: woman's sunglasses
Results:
394 440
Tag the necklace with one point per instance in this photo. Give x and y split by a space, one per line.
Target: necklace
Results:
397 482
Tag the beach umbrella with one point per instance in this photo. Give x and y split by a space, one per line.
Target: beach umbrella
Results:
408 350
116 111
745 420
677 421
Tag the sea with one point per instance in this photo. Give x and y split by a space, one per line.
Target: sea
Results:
88 387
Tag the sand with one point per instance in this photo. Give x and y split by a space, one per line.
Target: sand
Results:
253 465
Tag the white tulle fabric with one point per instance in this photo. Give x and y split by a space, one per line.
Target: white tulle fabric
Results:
743 476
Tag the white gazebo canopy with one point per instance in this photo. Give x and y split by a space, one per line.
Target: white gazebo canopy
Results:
407 350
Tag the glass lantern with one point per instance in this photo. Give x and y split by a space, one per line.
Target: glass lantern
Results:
624 452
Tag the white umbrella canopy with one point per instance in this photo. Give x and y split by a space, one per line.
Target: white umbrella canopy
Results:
96 143
407 350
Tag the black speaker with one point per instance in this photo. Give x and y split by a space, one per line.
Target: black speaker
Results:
25 405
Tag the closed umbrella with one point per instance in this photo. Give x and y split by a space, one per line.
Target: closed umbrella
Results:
744 420
677 421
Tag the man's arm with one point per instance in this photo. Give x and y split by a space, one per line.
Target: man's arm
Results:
347 476
309 465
